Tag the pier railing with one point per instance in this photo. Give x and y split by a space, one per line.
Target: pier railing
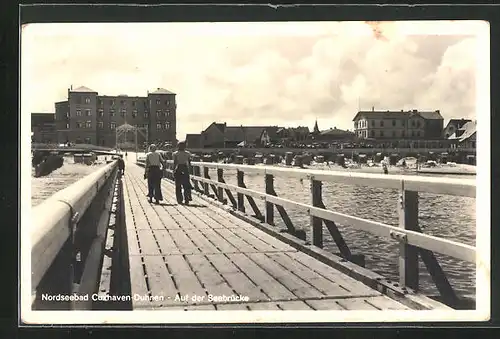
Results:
412 242
66 228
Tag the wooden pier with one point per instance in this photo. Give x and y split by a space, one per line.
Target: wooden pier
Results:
201 257
101 240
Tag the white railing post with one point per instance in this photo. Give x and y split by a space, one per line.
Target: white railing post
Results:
408 254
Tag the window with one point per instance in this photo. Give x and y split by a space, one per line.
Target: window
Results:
134 113
112 112
403 123
67 126
413 123
381 133
88 113
381 123
167 112
123 112
146 126
78 124
394 133
372 134
418 133
78 113
412 133
113 125
122 102
67 114
418 123
167 102
112 102
167 125
158 102
393 122
88 141
100 102
101 112
146 114
87 100
134 103
88 124
100 124
158 113
158 126
403 134
373 123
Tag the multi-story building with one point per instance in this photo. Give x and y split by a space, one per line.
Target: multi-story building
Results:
398 125
43 128
87 117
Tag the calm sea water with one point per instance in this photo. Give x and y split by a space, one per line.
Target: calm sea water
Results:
43 187
449 217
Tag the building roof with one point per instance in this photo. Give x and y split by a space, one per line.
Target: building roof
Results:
161 91
83 89
458 123
40 119
429 115
469 129
335 131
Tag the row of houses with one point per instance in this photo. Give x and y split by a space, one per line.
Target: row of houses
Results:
371 129
220 135
414 126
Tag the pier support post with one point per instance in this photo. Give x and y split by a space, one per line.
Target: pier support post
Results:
316 232
240 177
220 190
269 206
205 184
196 172
408 254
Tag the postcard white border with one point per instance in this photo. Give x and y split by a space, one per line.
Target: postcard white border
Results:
480 29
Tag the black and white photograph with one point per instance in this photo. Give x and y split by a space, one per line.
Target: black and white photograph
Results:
255 172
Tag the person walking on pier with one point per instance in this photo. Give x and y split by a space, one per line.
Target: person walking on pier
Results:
153 172
121 166
181 173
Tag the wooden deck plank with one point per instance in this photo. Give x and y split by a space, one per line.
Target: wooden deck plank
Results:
221 243
299 287
199 239
259 243
137 280
185 279
352 285
201 249
133 243
159 280
298 305
147 243
325 305
237 279
234 240
210 278
385 303
269 239
273 288
166 242
183 242
326 286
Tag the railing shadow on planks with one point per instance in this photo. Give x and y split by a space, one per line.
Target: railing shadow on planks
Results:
412 242
70 232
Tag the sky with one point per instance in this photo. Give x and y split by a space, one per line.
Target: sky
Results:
284 74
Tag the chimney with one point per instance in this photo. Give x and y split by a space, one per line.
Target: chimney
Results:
373 108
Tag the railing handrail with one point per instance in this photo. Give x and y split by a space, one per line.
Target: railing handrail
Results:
51 221
436 185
